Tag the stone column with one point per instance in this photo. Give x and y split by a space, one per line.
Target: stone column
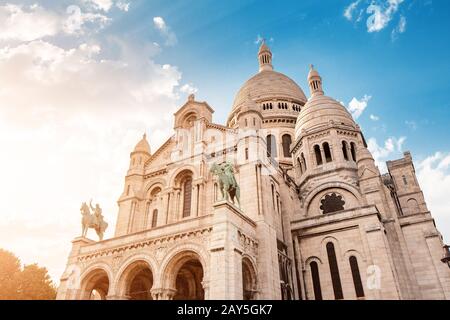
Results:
194 201
205 284
322 153
164 209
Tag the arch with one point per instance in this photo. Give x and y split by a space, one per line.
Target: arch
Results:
96 278
271 146
356 276
304 162
327 152
286 141
174 259
315 278
187 118
157 182
136 277
249 279
413 206
318 154
345 187
344 150
353 150
334 271
185 274
129 271
186 169
300 166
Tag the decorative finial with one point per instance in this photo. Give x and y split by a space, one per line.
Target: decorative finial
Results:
191 97
315 81
144 136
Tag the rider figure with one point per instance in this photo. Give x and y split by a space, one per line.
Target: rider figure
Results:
97 214
228 170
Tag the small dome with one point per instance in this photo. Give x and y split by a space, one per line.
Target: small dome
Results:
312 72
269 84
142 146
319 112
264 47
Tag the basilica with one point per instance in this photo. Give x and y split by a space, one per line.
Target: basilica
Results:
283 201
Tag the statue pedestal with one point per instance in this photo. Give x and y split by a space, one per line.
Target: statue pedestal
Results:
68 290
226 251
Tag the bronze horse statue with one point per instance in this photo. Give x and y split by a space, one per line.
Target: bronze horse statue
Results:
227 182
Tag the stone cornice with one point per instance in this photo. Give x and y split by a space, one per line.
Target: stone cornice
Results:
146 243
155 173
158 152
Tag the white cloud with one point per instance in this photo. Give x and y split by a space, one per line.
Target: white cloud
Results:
348 12
374 117
391 147
356 107
381 15
68 120
433 174
400 28
27 23
165 31
104 5
188 88
76 20
124 6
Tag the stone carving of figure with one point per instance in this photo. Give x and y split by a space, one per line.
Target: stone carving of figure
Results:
97 213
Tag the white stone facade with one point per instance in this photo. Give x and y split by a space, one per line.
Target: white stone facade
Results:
316 219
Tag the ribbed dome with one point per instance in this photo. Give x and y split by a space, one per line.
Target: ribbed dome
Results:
269 84
319 111
142 146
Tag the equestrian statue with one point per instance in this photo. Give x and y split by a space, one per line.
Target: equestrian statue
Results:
227 182
92 220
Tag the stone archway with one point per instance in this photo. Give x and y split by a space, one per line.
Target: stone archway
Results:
136 281
95 285
248 280
184 275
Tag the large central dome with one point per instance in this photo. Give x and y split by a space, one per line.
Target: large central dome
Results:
269 84
277 95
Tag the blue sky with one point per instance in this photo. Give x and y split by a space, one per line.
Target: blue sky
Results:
407 77
81 80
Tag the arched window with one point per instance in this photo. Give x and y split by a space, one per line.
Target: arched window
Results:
344 150
300 167
273 196
413 206
316 280
287 140
334 271
155 218
271 146
318 155
187 194
327 151
356 277
304 162
353 151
